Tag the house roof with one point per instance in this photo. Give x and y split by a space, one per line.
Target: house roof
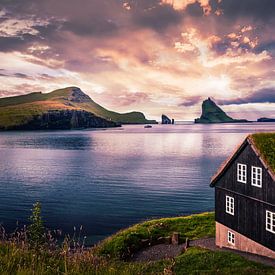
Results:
263 144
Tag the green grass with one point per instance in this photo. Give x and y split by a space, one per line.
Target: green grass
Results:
125 242
265 142
202 261
106 257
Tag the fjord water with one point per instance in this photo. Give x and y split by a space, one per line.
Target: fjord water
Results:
109 179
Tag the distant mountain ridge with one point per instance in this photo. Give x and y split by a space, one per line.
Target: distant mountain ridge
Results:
212 113
20 110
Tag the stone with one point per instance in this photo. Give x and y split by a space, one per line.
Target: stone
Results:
165 120
175 238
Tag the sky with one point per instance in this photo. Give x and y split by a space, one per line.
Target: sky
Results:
154 56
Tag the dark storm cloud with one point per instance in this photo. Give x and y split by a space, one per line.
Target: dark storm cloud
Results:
255 9
21 75
266 95
17 75
157 17
194 10
95 27
8 44
190 101
268 46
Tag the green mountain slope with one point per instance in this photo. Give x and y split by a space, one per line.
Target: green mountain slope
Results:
21 109
212 113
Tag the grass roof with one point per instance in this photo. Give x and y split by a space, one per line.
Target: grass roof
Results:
265 143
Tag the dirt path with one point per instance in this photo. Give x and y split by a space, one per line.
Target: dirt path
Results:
166 251
158 252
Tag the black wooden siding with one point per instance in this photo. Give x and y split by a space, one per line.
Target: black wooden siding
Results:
229 178
250 203
249 217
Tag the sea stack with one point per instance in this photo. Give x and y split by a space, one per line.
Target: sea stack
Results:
166 120
212 113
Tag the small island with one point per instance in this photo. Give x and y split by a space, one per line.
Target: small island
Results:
212 113
265 119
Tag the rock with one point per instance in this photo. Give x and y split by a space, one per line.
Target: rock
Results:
165 120
78 96
163 240
145 243
212 113
64 120
175 238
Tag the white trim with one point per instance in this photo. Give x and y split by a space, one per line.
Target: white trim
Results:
229 205
230 237
270 221
241 172
256 176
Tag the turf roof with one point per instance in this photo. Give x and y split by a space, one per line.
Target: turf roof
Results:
265 143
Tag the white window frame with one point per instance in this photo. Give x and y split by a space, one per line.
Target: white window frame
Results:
256 176
229 205
231 238
241 173
270 221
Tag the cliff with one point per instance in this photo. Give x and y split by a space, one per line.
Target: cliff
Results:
212 113
63 120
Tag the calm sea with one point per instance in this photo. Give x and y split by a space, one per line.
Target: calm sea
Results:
109 179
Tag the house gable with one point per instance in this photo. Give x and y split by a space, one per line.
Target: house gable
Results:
227 176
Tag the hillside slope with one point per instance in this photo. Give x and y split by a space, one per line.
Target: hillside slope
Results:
20 110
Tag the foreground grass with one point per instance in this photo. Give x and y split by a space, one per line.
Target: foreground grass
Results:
107 257
125 242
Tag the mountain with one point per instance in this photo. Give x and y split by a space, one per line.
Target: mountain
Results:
212 113
22 110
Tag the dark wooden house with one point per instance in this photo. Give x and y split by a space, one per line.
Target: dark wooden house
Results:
245 197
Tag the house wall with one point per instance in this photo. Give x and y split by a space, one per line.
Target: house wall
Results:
241 242
249 217
229 179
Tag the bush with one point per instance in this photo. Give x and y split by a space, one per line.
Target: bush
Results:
36 230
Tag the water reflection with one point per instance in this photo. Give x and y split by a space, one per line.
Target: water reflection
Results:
106 180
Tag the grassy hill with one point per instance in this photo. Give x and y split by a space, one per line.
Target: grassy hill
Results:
18 110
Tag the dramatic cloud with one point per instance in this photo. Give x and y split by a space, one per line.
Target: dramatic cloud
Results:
156 56
266 95
182 4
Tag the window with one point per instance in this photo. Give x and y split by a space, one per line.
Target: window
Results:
230 205
241 173
256 176
270 221
231 238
